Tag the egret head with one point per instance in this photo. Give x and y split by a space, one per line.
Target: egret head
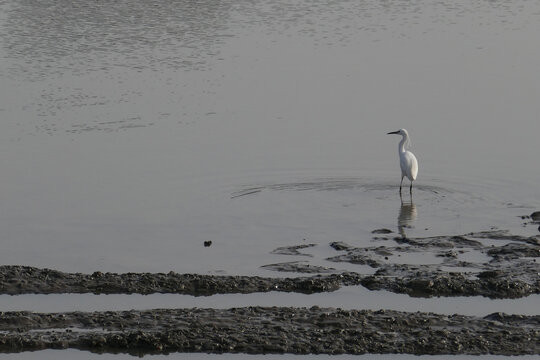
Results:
401 132
405 140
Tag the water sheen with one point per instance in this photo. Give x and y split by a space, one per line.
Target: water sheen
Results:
134 131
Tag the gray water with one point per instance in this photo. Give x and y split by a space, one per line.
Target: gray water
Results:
133 131
129 128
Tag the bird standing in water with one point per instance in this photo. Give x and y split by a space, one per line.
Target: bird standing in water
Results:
407 160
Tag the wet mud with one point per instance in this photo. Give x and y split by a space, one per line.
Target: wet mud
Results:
293 250
533 219
259 330
15 280
298 267
507 266
493 264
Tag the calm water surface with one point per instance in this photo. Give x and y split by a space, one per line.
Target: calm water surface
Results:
133 131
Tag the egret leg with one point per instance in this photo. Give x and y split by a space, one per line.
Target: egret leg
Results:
401 183
410 189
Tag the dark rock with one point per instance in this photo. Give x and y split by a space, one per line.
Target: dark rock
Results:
207 243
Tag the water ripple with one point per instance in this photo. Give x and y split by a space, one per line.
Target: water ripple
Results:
54 37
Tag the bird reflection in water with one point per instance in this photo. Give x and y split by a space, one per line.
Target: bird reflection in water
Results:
407 215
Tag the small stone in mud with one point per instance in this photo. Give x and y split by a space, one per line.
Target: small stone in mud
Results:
207 243
535 216
381 231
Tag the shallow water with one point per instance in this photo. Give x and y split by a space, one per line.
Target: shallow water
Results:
128 136
352 297
133 132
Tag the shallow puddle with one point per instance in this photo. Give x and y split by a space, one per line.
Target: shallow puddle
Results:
349 297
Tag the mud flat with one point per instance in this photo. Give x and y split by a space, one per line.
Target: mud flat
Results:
502 265
507 270
505 265
15 280
258 330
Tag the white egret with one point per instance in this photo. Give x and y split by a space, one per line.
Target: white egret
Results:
407 160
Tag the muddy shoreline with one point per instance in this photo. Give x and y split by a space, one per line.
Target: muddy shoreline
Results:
263 330
423 282
508 269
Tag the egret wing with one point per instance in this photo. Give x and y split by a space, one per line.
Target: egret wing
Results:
409 165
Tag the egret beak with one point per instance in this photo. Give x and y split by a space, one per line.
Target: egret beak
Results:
393 132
